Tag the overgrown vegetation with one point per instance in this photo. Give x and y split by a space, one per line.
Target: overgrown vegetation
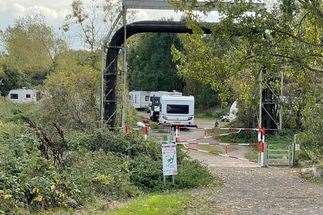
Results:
45 165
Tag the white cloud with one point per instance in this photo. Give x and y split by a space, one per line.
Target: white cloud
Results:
10 10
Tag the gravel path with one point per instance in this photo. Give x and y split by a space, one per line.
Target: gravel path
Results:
249 189
252 190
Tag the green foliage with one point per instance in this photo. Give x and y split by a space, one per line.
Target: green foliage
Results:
150 63
99 174
192 174
27 179
163 204
71 94
311 139
95 164
205 97
30 44
151 68
241 137
132 145
12 79
146 173
243 43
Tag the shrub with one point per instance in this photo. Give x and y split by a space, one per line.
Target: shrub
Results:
132 145
28 179
192 174
99 173
98 163
147 174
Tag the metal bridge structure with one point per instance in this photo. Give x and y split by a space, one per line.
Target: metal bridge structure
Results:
269 104
113 49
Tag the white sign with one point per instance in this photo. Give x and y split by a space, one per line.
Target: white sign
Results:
169 159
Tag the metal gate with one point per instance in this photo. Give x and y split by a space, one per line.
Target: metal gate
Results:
280 155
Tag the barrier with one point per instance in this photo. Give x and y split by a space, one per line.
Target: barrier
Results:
261 146
174 134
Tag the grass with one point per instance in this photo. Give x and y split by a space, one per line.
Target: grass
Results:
161 204
252 154
211 149
151 204
211 114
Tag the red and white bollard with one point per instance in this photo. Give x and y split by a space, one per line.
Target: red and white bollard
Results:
126 129
262 146
146 130
176 133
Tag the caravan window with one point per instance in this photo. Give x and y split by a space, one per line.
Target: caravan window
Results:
14 96
28 96
146 98
178 109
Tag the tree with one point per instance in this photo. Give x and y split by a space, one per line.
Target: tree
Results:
94 20
150 63
250 39
30 49
71 93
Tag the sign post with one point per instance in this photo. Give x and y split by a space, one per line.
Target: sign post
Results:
169 161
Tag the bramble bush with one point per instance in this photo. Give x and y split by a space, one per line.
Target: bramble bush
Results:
98 164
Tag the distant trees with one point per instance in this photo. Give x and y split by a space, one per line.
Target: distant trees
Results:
150 63
151 68
30 48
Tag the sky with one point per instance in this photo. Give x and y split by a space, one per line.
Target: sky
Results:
55 11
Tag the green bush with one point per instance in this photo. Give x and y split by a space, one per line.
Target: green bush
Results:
97 164
26 178
192 174
101 174
147 174
132 145
241 137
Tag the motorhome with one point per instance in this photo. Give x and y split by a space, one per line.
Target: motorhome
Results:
23 95
154 107
177 110
140 99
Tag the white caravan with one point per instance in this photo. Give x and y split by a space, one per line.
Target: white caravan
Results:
23 95
177 110
140 99
154 107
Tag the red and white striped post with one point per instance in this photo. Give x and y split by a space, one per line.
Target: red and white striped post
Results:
146 130
126 129
177 133
261 145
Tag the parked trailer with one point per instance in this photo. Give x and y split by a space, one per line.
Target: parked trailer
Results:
154 107
177 110
140 99
23 95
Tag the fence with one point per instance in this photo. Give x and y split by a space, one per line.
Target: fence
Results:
268 154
